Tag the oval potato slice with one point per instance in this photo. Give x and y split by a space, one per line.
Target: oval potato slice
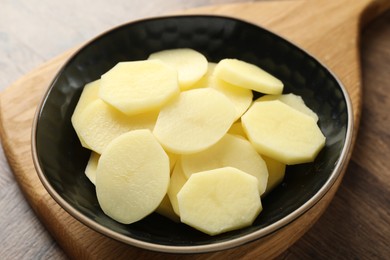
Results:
219 200
240 97
230 151
132 176
282 133
100 123
292 100
247 75
90 169
176 183
89 94
191 65
194 121
136 87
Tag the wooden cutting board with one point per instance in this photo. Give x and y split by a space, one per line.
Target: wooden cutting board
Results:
328 29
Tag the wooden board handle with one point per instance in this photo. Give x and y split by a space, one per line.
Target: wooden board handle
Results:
374 9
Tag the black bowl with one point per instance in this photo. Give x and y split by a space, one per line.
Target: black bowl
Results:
60 160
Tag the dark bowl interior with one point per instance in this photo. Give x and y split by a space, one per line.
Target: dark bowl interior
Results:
61 160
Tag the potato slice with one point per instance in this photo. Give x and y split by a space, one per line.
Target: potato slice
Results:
246 75
194 121
282 133
219 200
230 151
292 100
240 97
89 94
190 64
207 78
136 87
236 129
176 183
165 209
132 176
90 170
276 172
100 123
172 159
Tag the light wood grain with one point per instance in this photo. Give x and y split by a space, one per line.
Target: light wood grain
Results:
365 165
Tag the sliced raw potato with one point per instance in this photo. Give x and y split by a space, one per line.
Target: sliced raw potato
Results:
230 151
165 209
89 94
276 172
90 170
190 64
236 129
176 183
247 75
282 133
136 87
207 78
219 200
100 123
132 176
292 100
240 97
172 159
194 121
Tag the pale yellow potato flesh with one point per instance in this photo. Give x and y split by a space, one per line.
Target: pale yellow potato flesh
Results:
100 123
276 172
247 75
236 129
205 81
132 176
188 169
230 151
176 183
135 87
292 100
190 64
240 97
219 200
194 121
165 209
282 133
172 160
90 169
89 94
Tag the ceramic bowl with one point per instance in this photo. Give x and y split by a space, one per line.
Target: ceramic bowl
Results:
60 160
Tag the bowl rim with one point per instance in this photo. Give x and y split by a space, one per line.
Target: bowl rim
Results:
261 233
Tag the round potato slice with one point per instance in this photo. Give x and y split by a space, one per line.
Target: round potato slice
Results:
207 78
132 176
276 172
219 200
194 121
236 129
190 64
165 209
90 170
240 97
89 94
230 151
246 75
282 133
292 100
176 183
100 123
135 87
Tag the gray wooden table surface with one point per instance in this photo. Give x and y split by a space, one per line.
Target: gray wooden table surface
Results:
35 31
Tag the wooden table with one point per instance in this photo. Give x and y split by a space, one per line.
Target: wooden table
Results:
355 226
